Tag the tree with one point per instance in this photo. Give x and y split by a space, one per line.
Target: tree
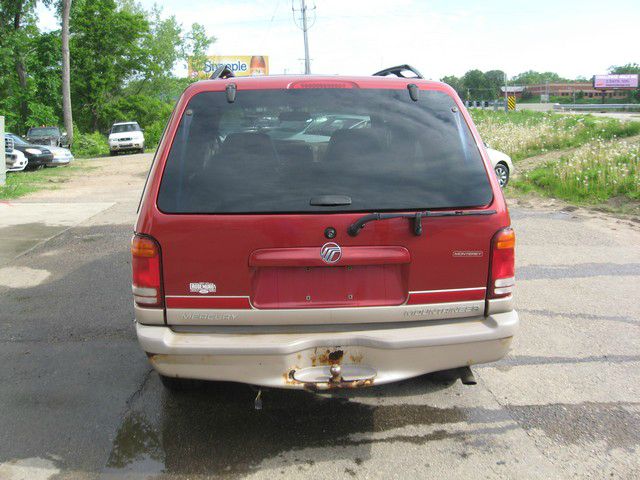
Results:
15 16
66 72
475 83
163 48
494 79
629 68
106 51
197 44
455 83
29 67
531 77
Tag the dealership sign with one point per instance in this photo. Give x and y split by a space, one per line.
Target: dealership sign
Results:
240 65
615 81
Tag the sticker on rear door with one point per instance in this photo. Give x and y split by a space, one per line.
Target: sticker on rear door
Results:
202 287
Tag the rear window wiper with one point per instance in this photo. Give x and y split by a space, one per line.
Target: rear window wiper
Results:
355 227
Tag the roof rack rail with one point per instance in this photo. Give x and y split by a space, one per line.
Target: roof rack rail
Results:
221 71
398 71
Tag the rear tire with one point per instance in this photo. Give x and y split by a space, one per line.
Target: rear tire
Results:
502 172
111 153
174 384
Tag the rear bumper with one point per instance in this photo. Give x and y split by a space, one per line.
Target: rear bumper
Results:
393 351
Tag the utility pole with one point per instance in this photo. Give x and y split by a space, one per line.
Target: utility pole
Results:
506 95
307 64
306 25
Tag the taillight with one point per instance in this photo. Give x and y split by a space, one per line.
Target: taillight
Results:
147 282
502 278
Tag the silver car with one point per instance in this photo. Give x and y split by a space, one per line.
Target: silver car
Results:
61 157
502 165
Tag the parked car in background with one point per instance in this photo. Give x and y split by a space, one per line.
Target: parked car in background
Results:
49 136
126 137
61 157
502 165
37 155
14 159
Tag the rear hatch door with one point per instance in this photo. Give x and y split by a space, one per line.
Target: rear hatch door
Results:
253 223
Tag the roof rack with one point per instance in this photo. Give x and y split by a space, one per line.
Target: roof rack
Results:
221 71
398 71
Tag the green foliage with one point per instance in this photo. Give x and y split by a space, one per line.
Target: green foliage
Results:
531 77
153 133
477 85
105 51
525 133
163 46
28 79
628 68
597 172
455 83
143 109
196 46
90 144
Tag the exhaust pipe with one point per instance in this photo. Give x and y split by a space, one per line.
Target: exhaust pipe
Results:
466 376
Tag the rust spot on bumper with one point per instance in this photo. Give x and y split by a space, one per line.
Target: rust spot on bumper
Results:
327 357
314 387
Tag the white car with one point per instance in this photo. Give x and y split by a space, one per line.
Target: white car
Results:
502 165
61 156
15 161
126 136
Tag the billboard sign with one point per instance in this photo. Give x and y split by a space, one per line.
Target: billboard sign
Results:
240 65
610 82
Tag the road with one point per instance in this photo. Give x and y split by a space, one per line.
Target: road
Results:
78 399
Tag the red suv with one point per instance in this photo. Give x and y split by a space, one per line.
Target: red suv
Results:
321 232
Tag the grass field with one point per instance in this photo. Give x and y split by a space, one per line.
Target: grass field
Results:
524 134
595 173
22 183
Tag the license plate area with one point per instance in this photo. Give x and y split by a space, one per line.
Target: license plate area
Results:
329 287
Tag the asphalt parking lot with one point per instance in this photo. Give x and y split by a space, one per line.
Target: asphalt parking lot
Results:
78 399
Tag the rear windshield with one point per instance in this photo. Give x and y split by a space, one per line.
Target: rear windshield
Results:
127 127
43 131
276 151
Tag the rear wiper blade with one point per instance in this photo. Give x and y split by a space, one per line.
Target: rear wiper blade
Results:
355 227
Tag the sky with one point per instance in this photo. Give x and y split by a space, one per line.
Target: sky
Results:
358 37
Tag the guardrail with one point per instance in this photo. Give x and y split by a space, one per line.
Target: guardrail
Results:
485 104
597 107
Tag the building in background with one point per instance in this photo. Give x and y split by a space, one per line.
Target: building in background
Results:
583 89
240 65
